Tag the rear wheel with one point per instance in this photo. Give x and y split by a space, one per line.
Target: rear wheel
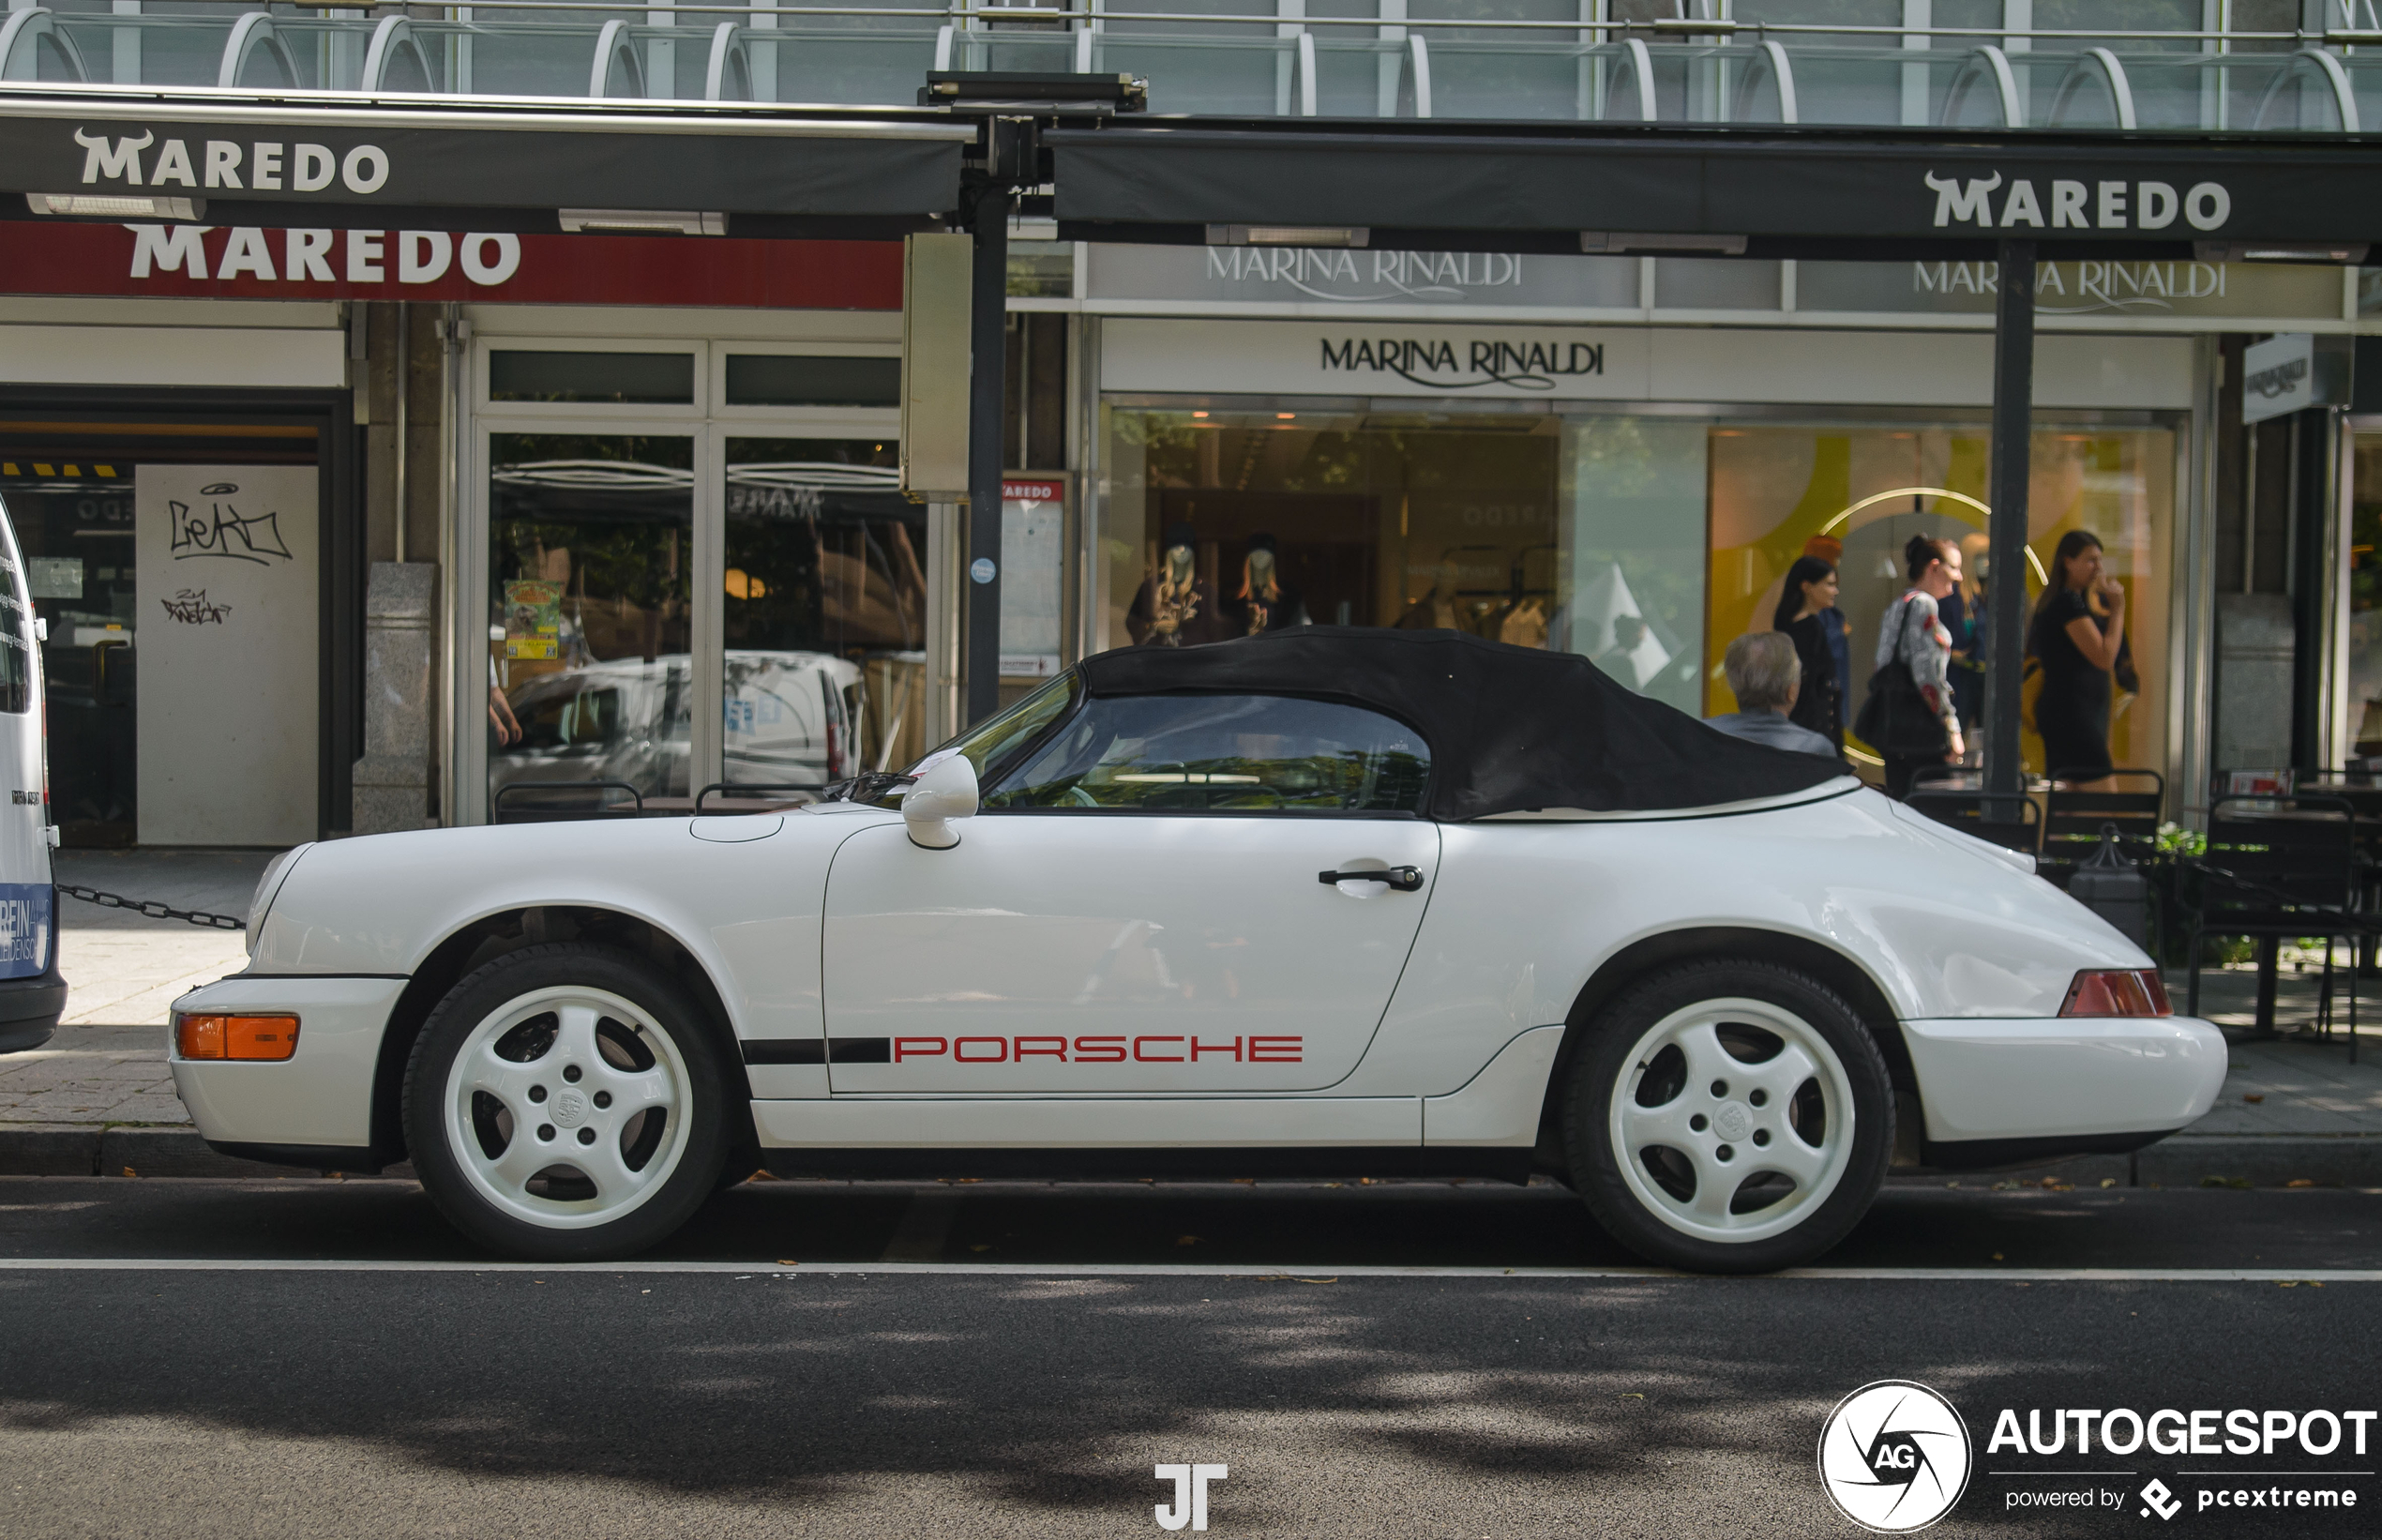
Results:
565 1103
1730 1117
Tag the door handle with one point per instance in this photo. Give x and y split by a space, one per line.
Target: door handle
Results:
1404 879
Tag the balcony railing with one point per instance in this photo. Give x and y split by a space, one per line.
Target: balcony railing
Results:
1506 60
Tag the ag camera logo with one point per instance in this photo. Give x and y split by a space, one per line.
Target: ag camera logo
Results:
1894 1457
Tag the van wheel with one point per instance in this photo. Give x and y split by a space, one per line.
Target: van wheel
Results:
1730 1117
565 1103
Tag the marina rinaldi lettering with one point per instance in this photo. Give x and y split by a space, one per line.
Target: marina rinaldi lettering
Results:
1429 361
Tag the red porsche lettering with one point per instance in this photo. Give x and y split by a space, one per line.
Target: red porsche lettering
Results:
1101 1049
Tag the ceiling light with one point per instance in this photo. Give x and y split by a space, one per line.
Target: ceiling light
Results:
114 206
639 222
1288 234
1286 417
2340 253
1615 242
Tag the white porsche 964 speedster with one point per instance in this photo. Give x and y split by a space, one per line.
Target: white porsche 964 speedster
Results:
1322 900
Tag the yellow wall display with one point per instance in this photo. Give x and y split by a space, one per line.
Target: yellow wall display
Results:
1858 492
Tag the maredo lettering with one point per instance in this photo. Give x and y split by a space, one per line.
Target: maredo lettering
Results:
366 256
267 165
2077 206
1529 365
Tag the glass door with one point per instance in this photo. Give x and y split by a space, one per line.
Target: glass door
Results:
822 611
591 618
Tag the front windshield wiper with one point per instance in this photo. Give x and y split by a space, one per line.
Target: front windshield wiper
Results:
865 786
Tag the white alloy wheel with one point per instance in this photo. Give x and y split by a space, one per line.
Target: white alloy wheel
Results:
567 1106
1732 1120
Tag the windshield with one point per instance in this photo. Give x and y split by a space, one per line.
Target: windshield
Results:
992 743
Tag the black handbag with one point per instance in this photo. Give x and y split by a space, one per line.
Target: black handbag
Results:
1896 719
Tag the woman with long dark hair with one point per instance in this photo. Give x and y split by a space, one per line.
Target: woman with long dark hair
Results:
1810 591
2078 629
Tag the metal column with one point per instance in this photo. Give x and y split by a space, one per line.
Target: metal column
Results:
2013 395
987 372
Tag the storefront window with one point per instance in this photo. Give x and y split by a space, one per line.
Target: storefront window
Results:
1646 542
2364 600
1857 494
590 557
1224 524
825 611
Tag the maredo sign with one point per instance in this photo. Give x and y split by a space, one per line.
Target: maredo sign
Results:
192 261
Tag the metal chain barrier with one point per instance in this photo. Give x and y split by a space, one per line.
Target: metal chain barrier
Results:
152 909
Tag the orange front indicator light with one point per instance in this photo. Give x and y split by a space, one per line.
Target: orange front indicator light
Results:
2118 991
265 1037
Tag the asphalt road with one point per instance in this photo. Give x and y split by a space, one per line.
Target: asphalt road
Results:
815 1359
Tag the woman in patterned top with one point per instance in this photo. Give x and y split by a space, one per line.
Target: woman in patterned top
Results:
1912 633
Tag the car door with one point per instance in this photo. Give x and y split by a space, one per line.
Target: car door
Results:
1156 898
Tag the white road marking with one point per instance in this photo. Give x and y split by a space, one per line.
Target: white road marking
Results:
1304 1270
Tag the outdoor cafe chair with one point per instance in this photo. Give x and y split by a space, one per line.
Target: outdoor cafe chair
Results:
2278 868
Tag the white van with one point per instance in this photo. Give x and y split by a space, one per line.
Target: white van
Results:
32 993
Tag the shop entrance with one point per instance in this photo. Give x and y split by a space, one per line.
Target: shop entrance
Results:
176 562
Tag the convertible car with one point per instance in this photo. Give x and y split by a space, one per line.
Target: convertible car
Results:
1318 901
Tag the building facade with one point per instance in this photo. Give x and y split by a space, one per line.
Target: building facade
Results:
417 526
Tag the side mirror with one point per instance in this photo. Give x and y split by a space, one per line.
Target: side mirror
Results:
946 791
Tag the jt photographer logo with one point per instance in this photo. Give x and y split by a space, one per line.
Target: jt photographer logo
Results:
1894 1457
1190 1505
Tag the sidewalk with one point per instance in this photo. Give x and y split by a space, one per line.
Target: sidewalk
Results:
98 1098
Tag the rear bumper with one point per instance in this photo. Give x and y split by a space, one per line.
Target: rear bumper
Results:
321 1097
30 1008
2088 1082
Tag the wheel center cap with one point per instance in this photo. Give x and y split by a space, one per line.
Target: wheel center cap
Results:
1734 1121
570 1106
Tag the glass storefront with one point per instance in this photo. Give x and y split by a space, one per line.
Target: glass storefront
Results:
2364 600
590 599
825 594
1646 542
1856 493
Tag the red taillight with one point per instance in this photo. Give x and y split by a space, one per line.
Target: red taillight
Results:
2118 991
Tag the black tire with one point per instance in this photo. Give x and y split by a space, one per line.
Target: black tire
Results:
699 1140
1627 1205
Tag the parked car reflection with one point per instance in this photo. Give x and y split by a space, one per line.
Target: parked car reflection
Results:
789 718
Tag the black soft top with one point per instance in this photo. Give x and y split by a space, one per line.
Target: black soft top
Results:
1511 729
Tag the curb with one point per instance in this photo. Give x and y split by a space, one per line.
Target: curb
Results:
81 1150
2198 1160
2183 1160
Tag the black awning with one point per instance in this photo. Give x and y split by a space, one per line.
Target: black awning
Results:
337 163
1511 729
1783 189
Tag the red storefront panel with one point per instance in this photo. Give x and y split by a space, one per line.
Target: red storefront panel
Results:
164 261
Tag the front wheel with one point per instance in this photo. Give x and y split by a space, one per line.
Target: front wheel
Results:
1730 1117
565 1103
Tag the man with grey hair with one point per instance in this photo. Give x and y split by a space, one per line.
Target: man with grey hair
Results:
1765 676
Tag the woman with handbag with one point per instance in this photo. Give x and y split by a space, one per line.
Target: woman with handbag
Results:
1909 718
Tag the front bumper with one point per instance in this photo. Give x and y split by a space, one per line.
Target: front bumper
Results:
319 1098
2089 1079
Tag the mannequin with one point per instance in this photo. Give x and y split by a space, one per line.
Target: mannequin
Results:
1173 606
1262 603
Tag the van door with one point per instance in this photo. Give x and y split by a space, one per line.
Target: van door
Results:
27 923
